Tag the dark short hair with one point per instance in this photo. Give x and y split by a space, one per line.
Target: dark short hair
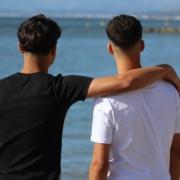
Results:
125 31
38 34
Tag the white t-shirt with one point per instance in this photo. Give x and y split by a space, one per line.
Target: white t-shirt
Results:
140 126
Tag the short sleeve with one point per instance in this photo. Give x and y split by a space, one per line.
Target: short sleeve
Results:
70 89
102 123
177 126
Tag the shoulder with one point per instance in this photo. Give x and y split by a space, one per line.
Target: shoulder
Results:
167 91
73 79
116 103
102 102
72 76
104 105
8 78
168 88
165 85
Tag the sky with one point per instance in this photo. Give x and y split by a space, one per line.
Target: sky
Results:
90 6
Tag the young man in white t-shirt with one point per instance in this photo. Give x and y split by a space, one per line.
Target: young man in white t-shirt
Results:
133 132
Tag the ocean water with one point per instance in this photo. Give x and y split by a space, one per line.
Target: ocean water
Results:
82 50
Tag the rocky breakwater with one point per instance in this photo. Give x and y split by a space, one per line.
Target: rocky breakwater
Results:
162 29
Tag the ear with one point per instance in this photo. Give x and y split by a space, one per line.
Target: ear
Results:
110 49
53 51
21 50
142 45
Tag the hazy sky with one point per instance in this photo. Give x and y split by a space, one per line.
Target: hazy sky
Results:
101 6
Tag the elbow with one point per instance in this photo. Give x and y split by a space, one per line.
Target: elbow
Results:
127 83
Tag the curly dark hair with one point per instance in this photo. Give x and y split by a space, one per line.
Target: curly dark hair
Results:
38 34
125 31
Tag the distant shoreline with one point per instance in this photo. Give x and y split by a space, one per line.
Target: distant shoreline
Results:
162 30
166 21
168 17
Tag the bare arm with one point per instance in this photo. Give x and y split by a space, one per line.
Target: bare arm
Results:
100 162
175 158
132 80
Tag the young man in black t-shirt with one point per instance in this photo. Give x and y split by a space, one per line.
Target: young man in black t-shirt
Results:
33 103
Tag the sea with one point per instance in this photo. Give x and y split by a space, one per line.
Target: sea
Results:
82 50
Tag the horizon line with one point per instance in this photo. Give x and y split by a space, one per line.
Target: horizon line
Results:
142 16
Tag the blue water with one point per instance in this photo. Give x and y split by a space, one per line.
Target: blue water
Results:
82 50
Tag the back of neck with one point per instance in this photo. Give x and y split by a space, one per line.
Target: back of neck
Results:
33 64
127 63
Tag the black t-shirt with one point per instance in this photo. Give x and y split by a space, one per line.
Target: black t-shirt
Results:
32 112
